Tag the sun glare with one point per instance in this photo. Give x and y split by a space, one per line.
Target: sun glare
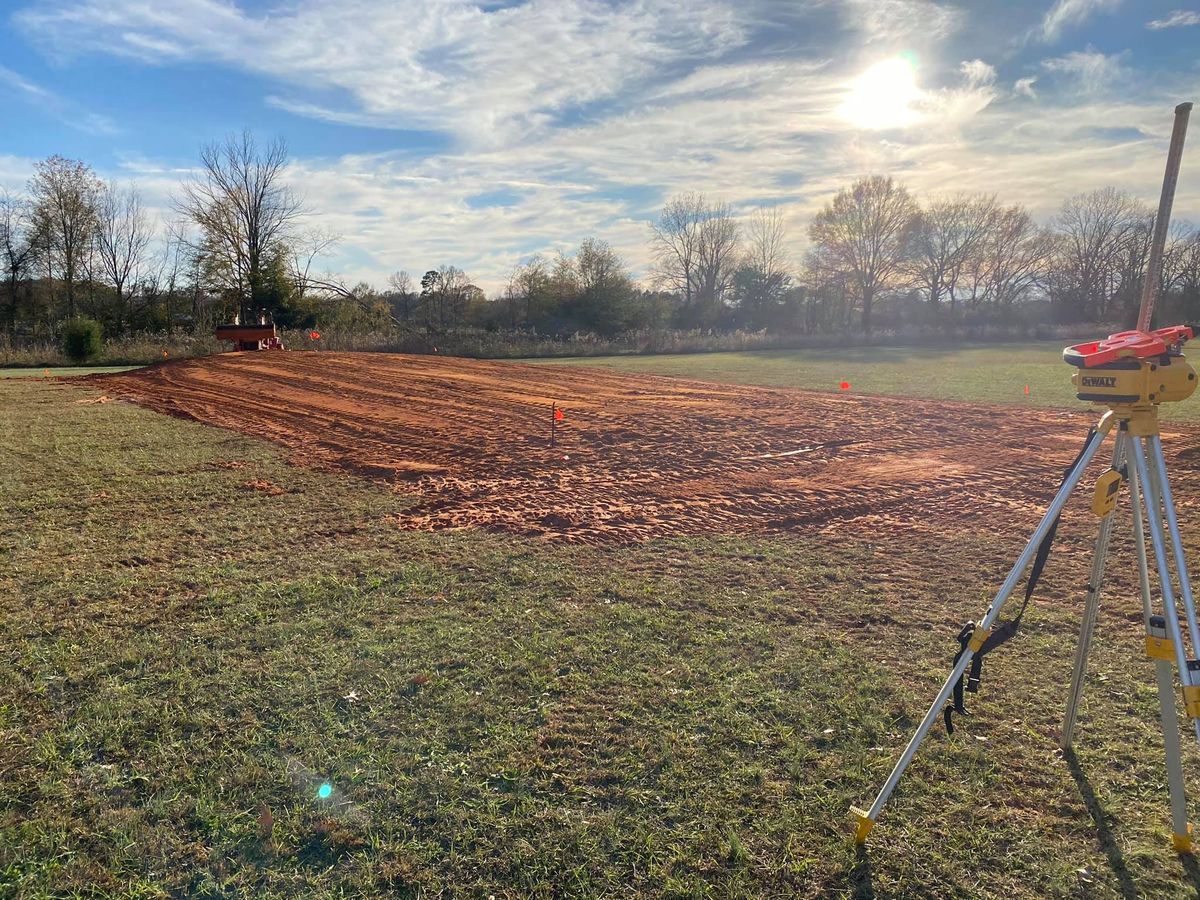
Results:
883 95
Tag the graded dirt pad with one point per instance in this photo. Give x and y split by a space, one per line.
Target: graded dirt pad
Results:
636 456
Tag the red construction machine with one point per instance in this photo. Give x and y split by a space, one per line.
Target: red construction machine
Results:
260 336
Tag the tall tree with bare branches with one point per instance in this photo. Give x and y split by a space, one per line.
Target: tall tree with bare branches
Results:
1100 248
864 231
695 245
245 211
762 279
948 234
65 193
1011 261
766 242
122 238
18 248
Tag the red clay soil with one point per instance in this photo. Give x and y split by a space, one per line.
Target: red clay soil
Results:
637 456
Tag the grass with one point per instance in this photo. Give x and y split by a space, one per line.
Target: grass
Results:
61 371
186 661
992 373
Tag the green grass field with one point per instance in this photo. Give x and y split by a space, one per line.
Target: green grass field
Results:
187 660
61 371
992 373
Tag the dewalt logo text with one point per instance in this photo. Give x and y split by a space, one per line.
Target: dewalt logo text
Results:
1098 381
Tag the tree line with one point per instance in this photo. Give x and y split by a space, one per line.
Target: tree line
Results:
240 241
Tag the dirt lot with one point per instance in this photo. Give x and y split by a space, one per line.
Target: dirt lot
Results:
636 456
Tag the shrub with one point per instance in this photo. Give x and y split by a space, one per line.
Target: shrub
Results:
81 339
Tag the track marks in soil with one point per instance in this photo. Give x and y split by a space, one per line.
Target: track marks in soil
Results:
646 456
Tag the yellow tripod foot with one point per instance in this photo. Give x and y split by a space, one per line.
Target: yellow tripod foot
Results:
1183 842
865 824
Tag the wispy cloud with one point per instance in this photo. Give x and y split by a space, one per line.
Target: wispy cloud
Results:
1178 19
489 75
560 119
1067 14
49 102
1089 70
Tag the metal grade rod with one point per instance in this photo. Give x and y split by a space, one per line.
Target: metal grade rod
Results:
1090 607
1162 221
1010 583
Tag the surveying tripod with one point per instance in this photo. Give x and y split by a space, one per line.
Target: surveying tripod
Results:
1130 375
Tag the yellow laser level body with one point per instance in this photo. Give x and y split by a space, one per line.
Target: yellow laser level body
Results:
1136 382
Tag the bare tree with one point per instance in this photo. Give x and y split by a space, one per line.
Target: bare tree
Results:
598 266
329 287
65 193
718 253
864 232
766 243
762 280
947 235
244 209
164 272
122 237
604 299
695 246
1181 261
531 284
445 291
303 250
1012 259
1097 234
1181 271
675 244
18 248
403 296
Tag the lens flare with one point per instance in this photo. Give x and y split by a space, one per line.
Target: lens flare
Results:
325 791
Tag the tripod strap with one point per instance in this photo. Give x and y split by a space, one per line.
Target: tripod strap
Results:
1003 631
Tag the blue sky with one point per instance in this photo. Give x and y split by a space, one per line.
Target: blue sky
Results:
476 134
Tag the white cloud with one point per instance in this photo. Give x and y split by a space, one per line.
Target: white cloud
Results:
590 112
1023 87
899 22
1089 70
977 72
1065 14
486 75
1178 19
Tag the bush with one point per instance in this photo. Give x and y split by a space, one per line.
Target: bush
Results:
81 340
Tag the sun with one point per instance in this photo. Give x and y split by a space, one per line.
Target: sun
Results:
883 95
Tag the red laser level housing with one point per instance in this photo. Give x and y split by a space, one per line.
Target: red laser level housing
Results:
1128 345
1133 368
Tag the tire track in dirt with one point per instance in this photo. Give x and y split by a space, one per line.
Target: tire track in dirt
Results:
638 456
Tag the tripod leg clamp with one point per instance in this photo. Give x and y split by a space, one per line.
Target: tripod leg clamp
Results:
978 636
1191 700
865 824
1183 842
1160 648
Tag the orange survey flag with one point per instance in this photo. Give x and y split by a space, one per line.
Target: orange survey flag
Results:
558 414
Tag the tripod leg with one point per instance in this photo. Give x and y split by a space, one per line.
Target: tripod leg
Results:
1154 506
866 818
1090 607
1168 502
1158 649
